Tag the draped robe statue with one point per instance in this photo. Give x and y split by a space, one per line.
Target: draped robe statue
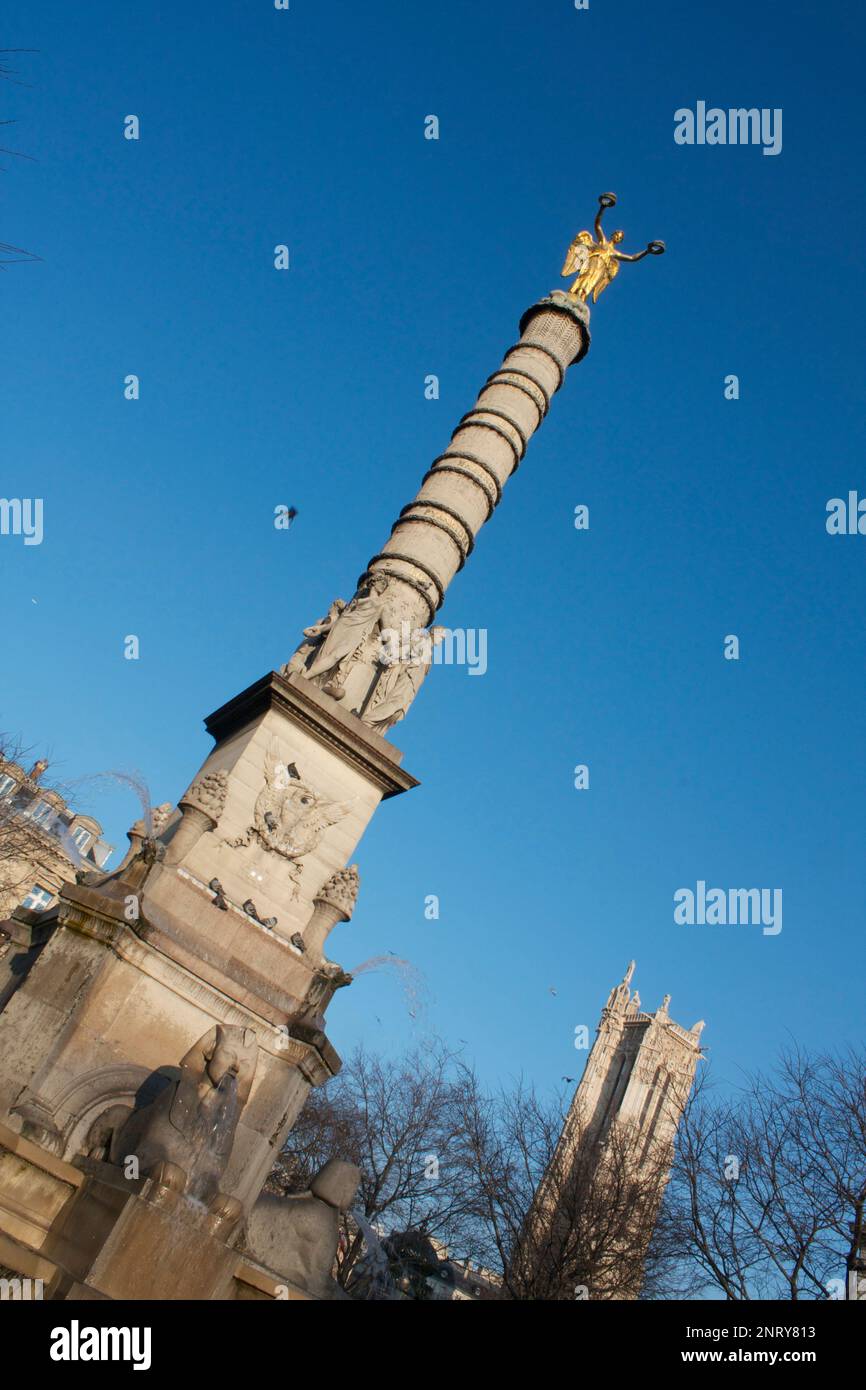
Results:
349 631
399 684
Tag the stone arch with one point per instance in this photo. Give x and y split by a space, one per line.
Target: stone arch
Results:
84 1099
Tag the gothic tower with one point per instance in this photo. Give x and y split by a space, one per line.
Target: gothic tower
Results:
640 1069
596 1208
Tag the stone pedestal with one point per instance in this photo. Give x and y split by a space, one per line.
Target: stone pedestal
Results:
278 742
125 1240
146 961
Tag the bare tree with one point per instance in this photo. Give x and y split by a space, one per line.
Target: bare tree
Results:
446 1165
766 1197
561 1214
768 1189
23 840
11 255
828 1094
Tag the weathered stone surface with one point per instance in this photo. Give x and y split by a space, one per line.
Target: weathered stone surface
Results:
135 1241
34 1188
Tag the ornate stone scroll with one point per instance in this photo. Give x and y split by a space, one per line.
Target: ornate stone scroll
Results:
208 794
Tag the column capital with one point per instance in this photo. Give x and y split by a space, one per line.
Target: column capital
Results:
559 302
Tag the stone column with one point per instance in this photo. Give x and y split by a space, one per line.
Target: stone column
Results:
219 915
435 533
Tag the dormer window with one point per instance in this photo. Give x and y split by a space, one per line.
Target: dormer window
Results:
81 837
7 785
41 812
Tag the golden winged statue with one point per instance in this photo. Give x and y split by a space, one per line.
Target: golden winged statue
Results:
596 259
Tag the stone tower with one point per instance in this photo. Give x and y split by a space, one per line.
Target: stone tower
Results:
613 1156
640 1069
157 1053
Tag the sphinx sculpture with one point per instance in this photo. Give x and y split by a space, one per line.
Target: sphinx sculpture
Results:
296 1236
183 1137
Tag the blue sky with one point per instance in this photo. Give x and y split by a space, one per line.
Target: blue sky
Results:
410 257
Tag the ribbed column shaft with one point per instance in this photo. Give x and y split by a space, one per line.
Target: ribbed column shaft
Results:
434 535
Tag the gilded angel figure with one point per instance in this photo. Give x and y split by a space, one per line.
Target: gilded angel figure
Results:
596 259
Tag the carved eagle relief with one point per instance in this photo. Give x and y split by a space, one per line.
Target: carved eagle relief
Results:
289 817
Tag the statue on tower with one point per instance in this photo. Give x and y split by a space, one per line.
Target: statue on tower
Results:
400 682
314 636
596 259
346 633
